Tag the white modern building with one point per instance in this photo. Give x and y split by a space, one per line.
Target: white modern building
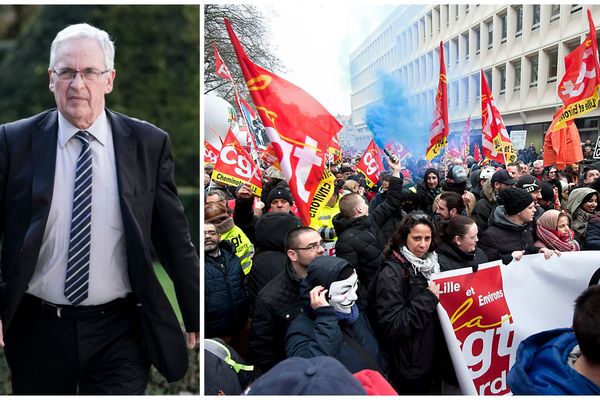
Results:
520 48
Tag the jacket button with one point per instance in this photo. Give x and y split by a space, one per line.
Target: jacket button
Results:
287 316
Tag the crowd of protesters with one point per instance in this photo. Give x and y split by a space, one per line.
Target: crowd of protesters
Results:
352 291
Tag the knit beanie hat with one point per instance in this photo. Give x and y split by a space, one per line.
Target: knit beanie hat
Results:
547 191
515 200
279 193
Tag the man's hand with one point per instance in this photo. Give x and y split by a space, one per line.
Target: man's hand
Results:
434 288
518 254
549 253
244 192
193 339
317 297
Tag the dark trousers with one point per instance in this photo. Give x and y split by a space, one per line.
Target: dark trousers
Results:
93 350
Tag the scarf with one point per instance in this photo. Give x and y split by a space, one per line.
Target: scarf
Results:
349 318
556 241
426 266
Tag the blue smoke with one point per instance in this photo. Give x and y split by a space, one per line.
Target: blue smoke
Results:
394 119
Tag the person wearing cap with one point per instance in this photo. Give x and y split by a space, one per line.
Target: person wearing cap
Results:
489 199
278 302
548 199
225 303
321 375
332 324
510 233
533 187
216 214
347 171
478 179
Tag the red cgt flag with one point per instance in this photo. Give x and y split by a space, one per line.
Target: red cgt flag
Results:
477 153
578 89
220 67
235 166
210 153
496 144
370 164
439 128
299 127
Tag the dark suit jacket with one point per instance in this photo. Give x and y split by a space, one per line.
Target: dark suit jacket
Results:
152 215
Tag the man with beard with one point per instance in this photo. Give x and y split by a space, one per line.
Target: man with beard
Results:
225 302
278 302
488 202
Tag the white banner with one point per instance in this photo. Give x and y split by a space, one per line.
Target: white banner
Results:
486 314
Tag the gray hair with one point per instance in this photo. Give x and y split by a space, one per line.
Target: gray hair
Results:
538 163
85 31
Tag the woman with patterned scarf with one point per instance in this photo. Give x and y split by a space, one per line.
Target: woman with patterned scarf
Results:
554 232
402 307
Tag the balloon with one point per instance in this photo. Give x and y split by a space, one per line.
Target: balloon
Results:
219 116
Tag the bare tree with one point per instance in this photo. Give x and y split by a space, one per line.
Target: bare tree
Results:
252 29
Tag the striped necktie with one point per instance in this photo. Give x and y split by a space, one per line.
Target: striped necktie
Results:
78 264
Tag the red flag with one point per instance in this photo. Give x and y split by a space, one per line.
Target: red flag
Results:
562 147
477 153
578 89
210 153
439 128
298 126
497 145
334 151
464 141
370 164
235 166
220 67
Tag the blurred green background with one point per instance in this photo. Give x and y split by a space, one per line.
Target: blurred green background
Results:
158 80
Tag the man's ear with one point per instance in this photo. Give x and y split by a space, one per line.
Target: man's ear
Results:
292 255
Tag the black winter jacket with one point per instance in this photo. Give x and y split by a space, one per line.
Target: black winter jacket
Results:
276 305
484 207
452 257
225 302
502 237
361 240
319 332
403 313
270 258
593 233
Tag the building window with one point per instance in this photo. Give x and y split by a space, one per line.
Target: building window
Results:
575 8
476 79
554 12
536 17
466 42
533 77
455 46
519 11
552 65
502 72
456 11
517 68
447 54
488 77
503 27
467 8
477 41
490 28
447 15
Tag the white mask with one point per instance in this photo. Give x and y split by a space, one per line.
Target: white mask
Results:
342 294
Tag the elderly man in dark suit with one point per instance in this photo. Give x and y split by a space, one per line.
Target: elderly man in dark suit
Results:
85 193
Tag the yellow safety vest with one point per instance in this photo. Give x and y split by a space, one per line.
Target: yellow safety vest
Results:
243 247
323 222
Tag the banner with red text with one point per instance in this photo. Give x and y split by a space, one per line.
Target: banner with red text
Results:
211 154
298 126
486 314
370 164
235 166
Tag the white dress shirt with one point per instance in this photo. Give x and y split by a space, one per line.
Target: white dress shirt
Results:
108 277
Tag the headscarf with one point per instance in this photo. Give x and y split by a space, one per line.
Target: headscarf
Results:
547 233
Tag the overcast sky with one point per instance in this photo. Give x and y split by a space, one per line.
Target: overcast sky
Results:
314 42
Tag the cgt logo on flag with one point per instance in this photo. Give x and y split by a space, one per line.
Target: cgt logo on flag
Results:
483 325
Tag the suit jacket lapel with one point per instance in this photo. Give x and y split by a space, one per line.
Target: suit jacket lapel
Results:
125 156
43 148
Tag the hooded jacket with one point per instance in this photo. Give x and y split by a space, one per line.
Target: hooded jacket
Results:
270 258
427 195
542 366
579 217
319 332
502 237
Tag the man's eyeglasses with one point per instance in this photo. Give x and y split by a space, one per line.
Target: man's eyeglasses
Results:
88 74
311 247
